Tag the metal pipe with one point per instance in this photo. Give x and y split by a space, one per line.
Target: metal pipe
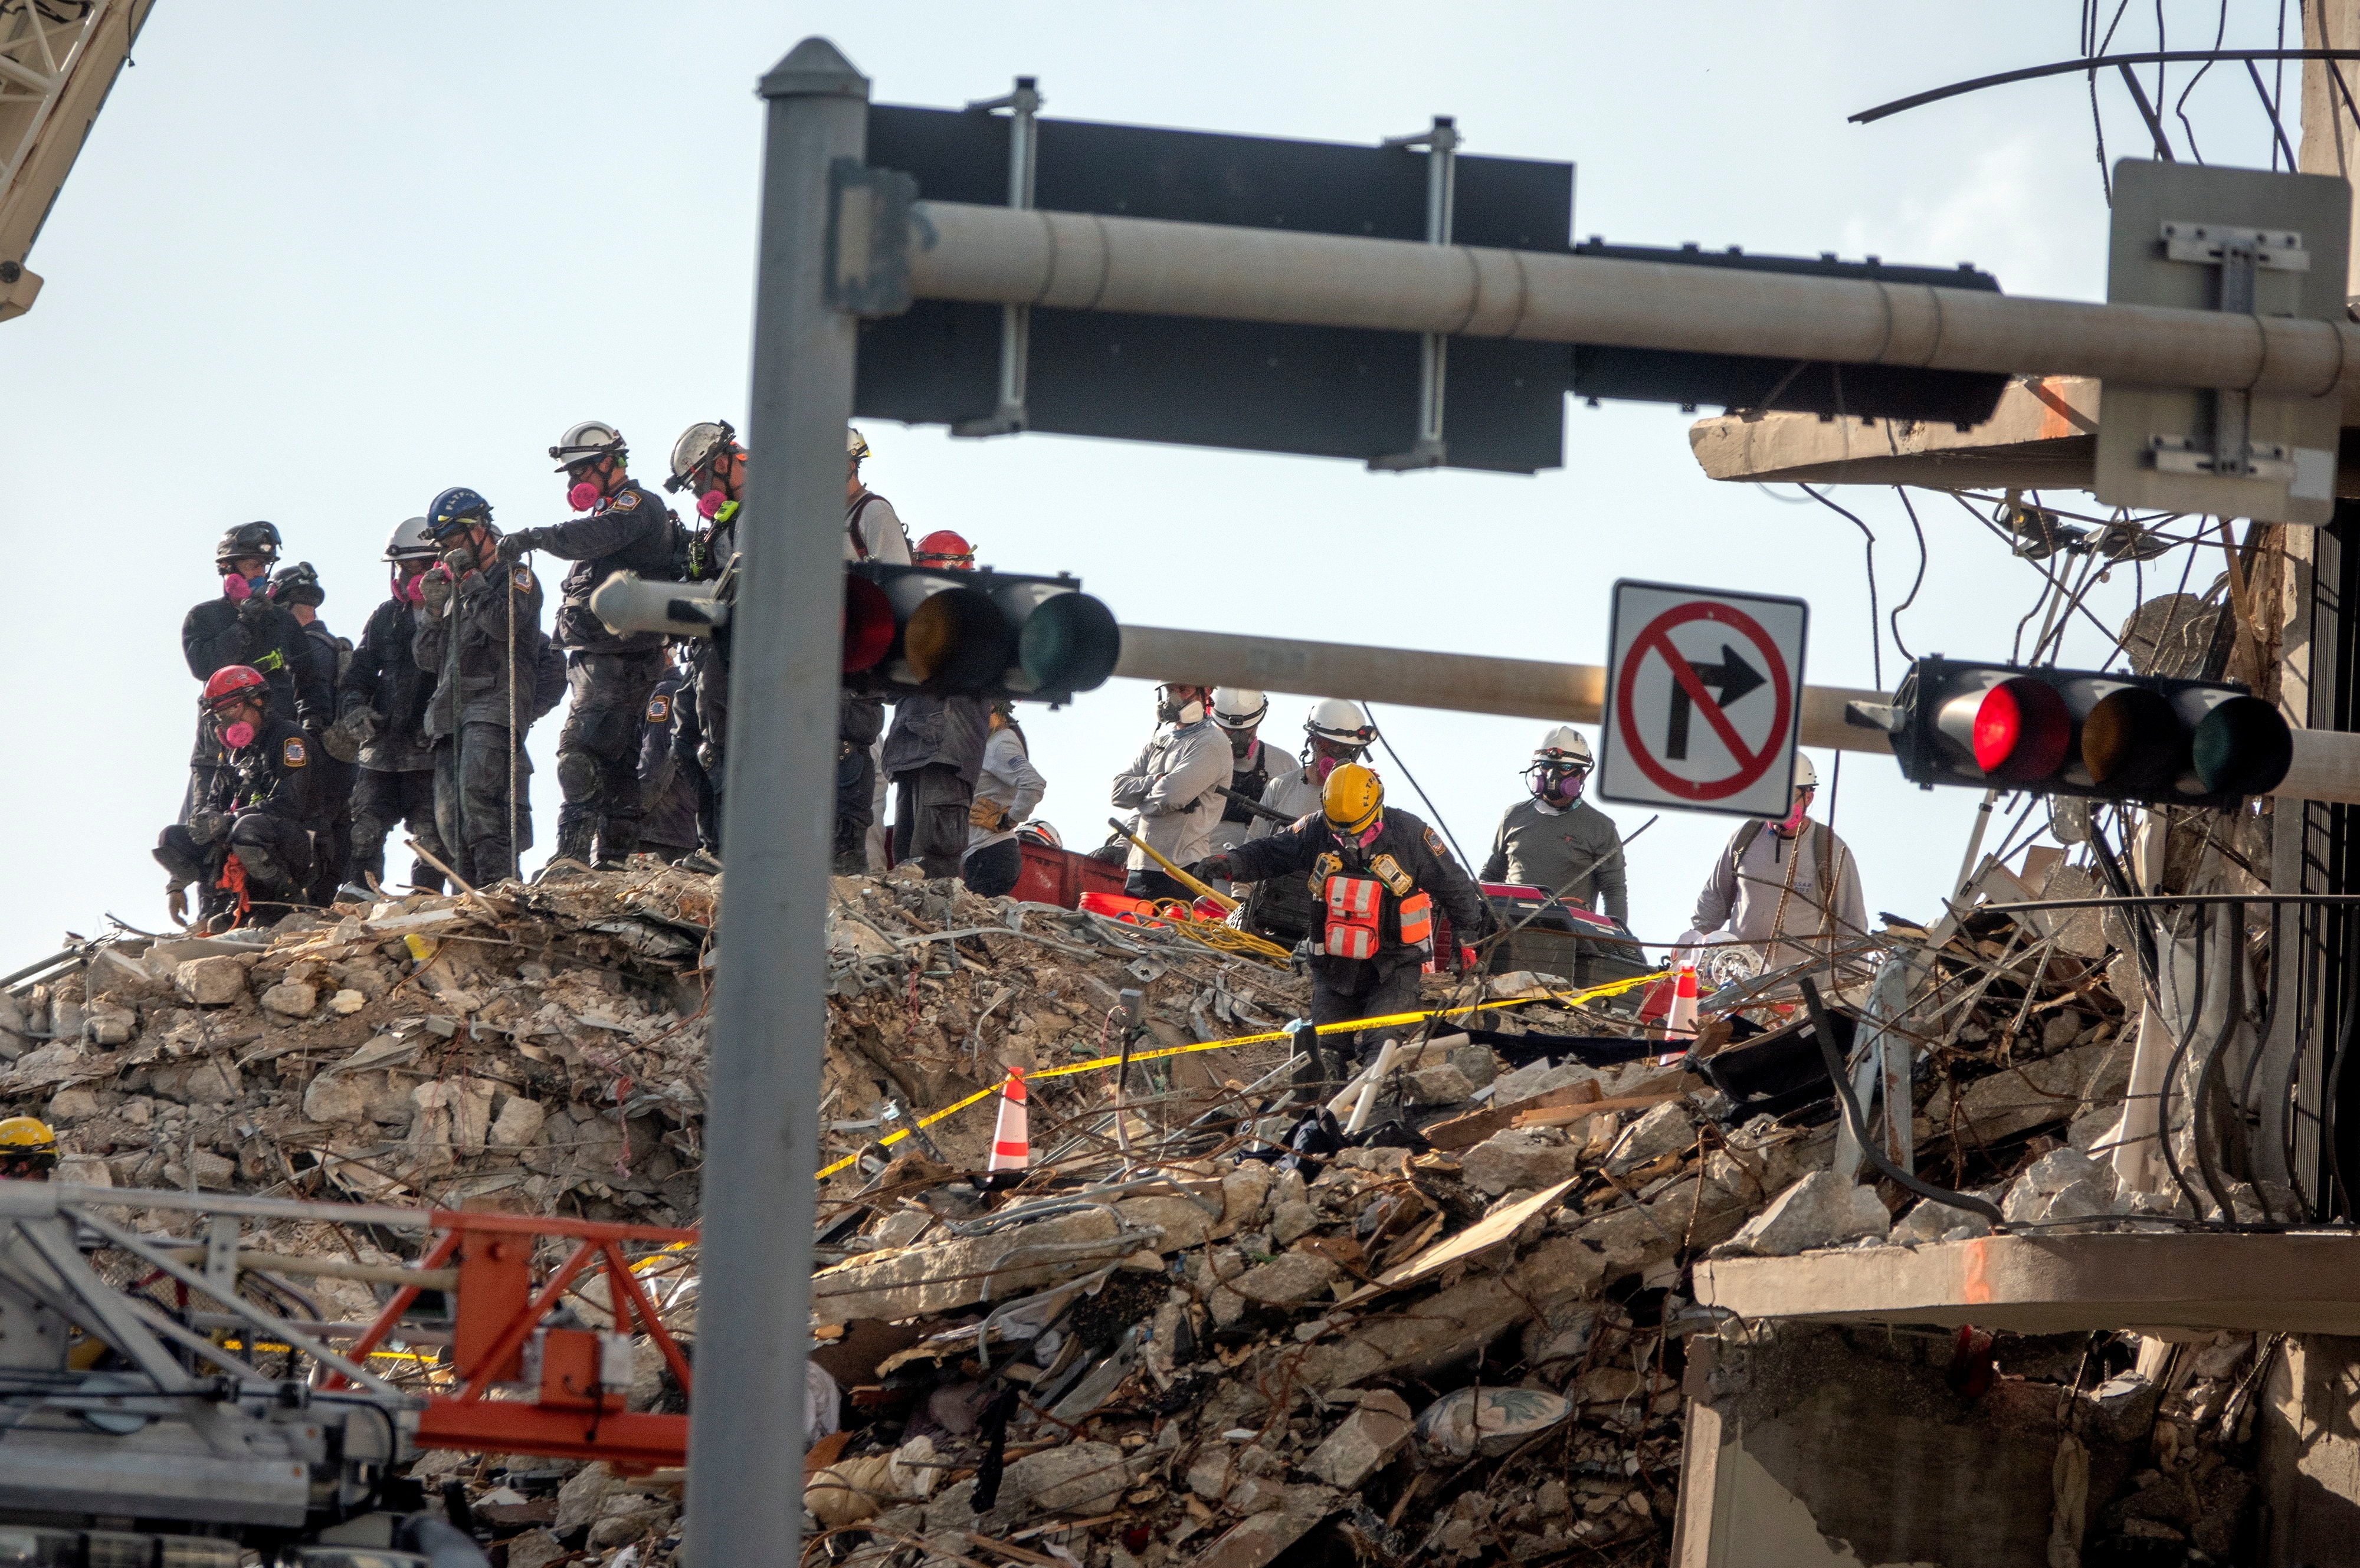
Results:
745 1427
2326 765
1084 262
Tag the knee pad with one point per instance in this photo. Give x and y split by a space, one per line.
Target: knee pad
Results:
577 775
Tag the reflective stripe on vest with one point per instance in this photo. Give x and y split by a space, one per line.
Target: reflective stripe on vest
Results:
1354 905
1416 921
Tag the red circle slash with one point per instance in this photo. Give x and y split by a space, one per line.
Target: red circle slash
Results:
1751 764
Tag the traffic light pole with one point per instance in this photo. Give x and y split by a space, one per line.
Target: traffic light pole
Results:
745 1427
1089 262
2326 762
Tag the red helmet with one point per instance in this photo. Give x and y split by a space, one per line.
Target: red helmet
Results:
944 547
231 683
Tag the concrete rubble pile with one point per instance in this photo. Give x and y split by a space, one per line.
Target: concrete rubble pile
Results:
1205 1326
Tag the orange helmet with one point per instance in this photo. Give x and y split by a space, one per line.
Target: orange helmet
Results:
945 548
232 684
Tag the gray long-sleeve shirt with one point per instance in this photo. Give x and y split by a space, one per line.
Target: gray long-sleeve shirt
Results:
1745 892
1170 787
1010 781
1575 853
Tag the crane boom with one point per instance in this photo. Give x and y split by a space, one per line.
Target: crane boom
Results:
59 59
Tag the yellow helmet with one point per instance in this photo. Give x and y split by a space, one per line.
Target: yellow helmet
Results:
29 1134
1352 799
28 1149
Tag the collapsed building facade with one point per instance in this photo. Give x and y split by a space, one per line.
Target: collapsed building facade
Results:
1506 1319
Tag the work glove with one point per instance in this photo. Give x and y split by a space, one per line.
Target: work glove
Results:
256 611
434 592
176 901
343 739
1212 868
517 545
1466 959
986 814
207 825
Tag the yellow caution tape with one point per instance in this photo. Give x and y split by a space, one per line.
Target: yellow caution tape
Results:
1350 1026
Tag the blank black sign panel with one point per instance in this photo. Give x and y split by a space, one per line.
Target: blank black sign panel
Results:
1320 391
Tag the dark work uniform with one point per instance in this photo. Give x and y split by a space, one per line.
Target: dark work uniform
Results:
1344 988
319 673
933 754
700 723
270 785
598 752
224 631
395 782
482 678
667 791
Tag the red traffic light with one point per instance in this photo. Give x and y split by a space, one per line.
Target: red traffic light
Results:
2088 733
867 624
2022 731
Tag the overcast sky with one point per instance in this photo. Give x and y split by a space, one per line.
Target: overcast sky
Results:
318 262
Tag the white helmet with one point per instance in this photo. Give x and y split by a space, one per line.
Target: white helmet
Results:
1238 707
698 446
1563 745
1806 775
856 445
586 443
410 542
1332 718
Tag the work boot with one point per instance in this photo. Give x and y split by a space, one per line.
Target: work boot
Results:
573 839
615 849
560 867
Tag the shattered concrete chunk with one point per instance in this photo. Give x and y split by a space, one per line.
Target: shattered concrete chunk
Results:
292 999
1296 1277
1668 1129
1076 1478
1363 1441
1514 1159
1440 1084
1821 1210
212 982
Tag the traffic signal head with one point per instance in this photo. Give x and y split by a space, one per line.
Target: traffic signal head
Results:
915 628
2068 732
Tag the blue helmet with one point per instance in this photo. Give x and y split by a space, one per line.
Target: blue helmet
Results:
453 509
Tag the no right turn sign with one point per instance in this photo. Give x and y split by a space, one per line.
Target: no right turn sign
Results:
1703 690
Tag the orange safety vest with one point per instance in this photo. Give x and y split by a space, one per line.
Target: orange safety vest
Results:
1356 914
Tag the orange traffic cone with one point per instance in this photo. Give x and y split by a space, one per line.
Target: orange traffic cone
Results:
1011 1139
1679 1024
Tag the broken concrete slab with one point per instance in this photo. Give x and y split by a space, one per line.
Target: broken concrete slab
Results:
1363 1442
1073 1478
1821 1210
1256 1541
923 1281
1511 1160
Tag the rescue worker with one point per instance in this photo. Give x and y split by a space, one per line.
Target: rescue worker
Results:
1005 793
707 461
318 670
1335 732
667 789
627 529
1375 875
1238 712
872 531
247 844
1555 839
1169 791
239 625
934 754
28 1150
1790 887
944 549
479 636
382 707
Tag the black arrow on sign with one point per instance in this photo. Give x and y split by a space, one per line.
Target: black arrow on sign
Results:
1734 678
